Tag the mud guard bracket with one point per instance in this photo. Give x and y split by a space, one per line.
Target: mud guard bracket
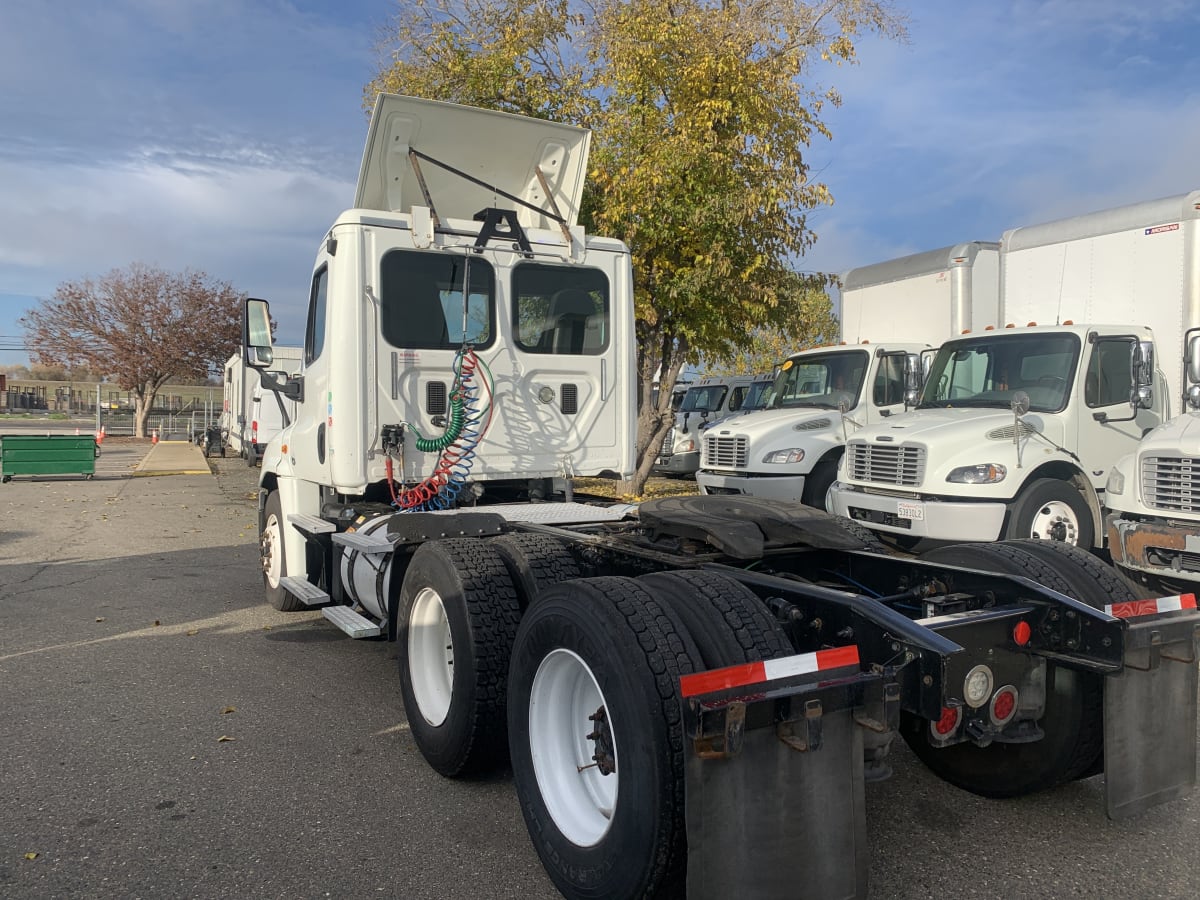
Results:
1150 716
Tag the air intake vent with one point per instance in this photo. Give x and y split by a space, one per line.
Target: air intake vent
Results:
435 398
902 466
813 425
569 398
1172 483
1006 433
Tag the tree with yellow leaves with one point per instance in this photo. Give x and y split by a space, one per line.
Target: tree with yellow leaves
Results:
701 116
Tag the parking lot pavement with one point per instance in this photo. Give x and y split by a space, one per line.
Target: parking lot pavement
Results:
165 733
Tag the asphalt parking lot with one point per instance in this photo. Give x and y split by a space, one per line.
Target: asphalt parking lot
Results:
165 733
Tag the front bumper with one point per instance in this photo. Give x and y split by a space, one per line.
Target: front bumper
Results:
784 487
920 518
678 463
1155 546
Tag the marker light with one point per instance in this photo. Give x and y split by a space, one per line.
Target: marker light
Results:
977 686
1022 633
1004 705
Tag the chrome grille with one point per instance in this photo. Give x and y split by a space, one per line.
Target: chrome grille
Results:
725 452
901 464
668 444
1171 483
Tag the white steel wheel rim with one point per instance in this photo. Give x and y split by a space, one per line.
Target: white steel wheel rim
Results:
579 797
272 552
430 656
1053 516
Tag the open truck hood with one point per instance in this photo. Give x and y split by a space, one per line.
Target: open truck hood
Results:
497 148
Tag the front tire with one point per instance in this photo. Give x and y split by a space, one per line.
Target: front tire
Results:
457 620
817 485
595 731
274 560
1051 510
1072 721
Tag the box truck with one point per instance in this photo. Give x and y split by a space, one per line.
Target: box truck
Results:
890 313
1018 427
249 420
690 693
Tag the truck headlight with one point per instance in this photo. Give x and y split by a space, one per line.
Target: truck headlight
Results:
984 473
685 446
782 457
1116 482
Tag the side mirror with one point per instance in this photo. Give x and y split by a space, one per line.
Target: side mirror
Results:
1019 403
914 378
1141 372
1192 359
256 334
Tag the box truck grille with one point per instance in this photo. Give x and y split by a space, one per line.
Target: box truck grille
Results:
668 444
901 465
725 452
1172 483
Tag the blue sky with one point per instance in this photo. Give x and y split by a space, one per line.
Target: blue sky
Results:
224 135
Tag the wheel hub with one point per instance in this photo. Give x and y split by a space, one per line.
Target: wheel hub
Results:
602 739
1056 522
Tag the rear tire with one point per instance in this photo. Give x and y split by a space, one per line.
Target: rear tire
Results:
535 562
603 800
1072 722
726 619
457 619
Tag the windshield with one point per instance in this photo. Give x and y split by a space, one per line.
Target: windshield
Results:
706 398
758 395
821 380
986 372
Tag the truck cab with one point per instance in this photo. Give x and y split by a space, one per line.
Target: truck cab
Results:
1153 494
705 401
790 450
1013 436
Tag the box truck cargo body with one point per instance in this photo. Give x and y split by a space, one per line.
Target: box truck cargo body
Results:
249 419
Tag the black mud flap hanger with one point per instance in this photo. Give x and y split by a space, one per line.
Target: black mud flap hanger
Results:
775 790
1150 707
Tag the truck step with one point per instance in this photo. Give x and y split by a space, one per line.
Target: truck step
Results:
300 588
350 622
364 543
311 524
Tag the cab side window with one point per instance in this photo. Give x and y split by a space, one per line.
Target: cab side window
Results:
314 337
1107 382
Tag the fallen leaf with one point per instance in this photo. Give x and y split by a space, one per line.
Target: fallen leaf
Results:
32 855
227 710
223 738
157 623
99 618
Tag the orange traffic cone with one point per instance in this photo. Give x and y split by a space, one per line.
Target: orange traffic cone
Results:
154 438
100 435
77 431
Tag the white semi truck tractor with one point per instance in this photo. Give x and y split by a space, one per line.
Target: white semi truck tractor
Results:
691 692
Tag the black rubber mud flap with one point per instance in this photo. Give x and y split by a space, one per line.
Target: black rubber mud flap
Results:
1150 716
777 808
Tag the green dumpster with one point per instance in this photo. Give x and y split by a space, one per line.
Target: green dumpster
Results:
47 454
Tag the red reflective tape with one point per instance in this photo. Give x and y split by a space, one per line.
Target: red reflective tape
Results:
757 672
837 657
1133 608
719 679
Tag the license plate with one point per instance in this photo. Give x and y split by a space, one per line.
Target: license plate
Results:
910 510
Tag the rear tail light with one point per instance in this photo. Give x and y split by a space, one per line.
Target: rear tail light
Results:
1004 705
948 723
977 686
1022 633
254 431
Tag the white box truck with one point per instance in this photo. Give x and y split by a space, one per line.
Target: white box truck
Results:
689 696
248 418
890 313
964 466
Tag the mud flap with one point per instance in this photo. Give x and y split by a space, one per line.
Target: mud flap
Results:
775 804
1150 717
